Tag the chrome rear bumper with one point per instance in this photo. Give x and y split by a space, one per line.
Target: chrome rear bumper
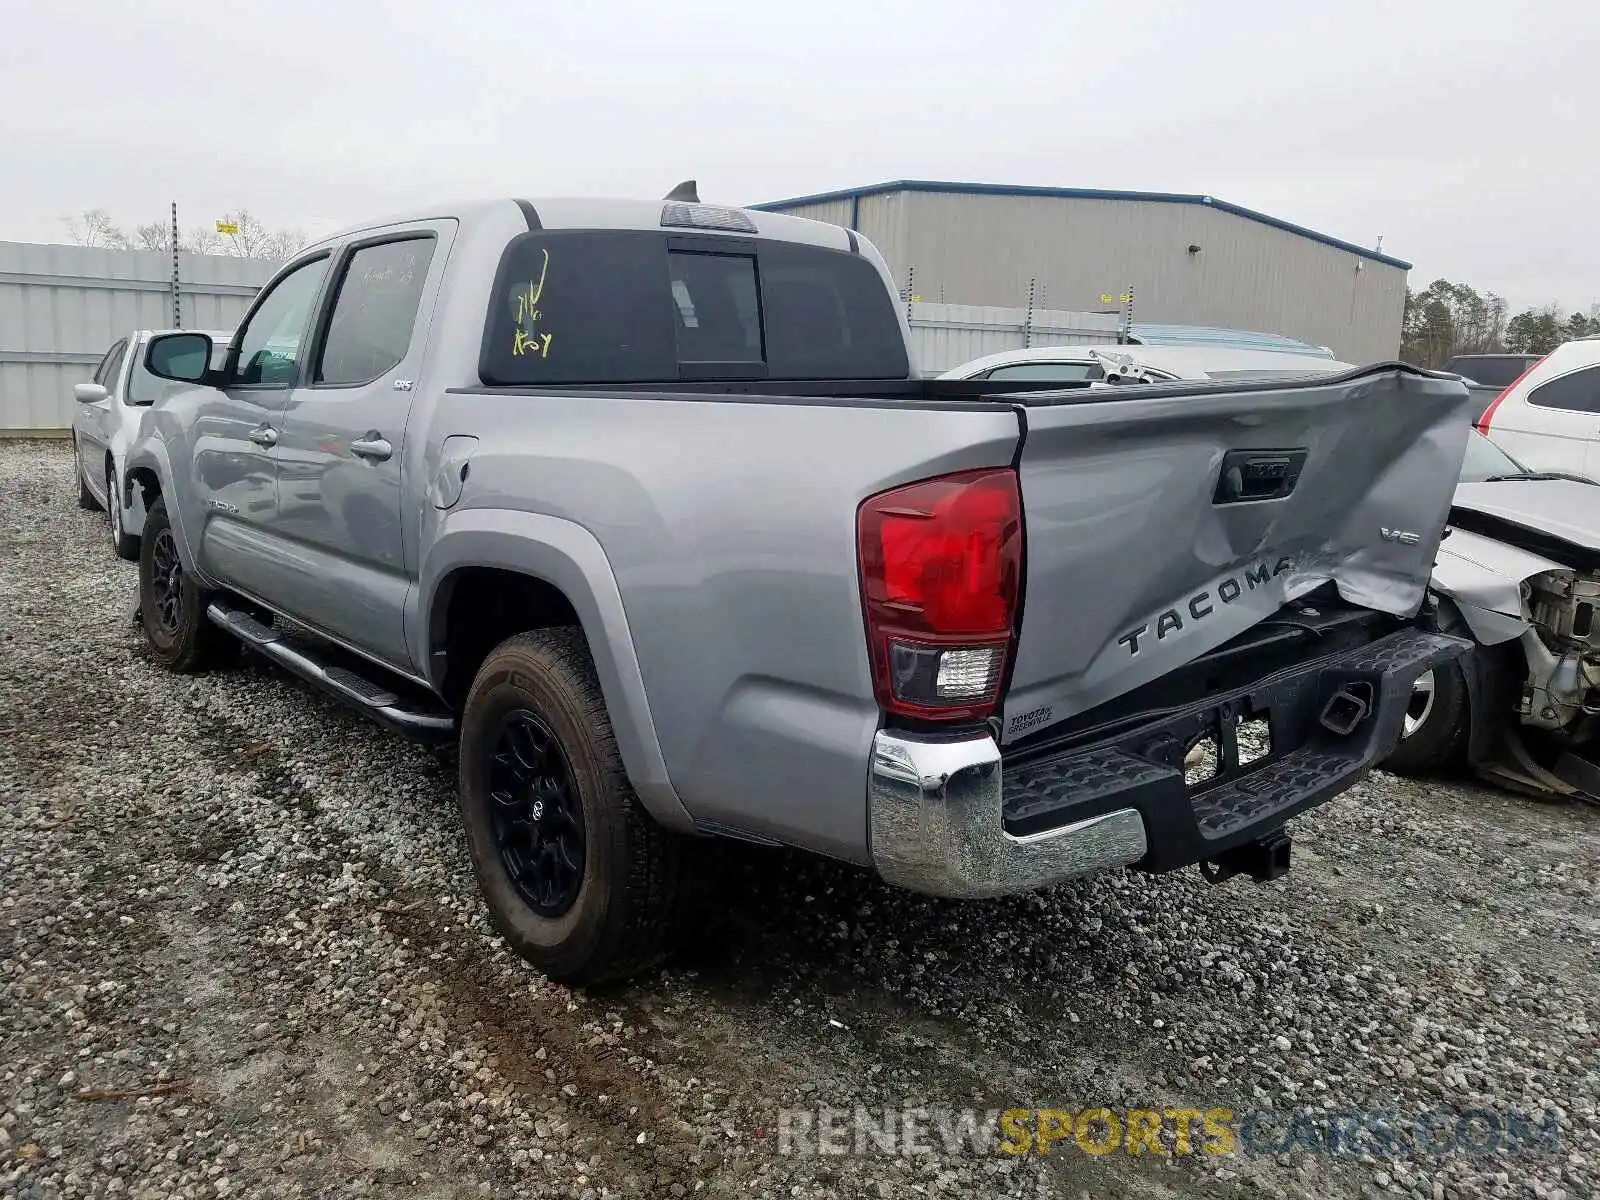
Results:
937 825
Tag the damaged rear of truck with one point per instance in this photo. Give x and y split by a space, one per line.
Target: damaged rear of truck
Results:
1213 631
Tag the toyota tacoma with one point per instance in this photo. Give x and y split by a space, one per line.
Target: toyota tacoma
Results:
646 505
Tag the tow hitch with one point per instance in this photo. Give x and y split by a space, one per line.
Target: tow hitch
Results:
1347 708
1265 859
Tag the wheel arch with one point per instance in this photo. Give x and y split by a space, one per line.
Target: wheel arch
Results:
491 573
146 475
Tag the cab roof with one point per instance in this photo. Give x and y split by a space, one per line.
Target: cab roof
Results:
567 212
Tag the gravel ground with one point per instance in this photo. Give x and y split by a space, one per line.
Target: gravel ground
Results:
241 954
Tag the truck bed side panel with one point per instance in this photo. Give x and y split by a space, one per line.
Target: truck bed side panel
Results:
730 529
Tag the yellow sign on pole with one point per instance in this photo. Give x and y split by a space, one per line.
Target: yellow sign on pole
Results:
227 227
1108 298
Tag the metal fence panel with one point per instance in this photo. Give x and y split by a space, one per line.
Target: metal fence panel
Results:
62 306
947 335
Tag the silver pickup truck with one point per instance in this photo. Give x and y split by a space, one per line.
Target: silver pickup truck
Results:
645 503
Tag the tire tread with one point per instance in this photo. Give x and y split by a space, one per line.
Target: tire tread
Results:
201 645
86 500
125 547
646 914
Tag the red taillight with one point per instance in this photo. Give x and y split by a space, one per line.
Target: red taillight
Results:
941 562
1482 423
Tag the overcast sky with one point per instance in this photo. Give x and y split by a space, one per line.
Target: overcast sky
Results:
1463 132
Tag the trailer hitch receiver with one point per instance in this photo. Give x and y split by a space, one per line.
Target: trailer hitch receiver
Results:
1347 708
1265 859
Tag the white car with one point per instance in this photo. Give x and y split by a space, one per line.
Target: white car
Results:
1112 363
1549 419
1518 571
105 423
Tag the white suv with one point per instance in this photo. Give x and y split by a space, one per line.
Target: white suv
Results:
1549 419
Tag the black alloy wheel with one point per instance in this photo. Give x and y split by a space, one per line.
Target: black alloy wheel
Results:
166 581
536 814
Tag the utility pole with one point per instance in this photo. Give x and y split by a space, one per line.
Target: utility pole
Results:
177 307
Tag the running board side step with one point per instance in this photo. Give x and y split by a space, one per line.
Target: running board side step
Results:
360 692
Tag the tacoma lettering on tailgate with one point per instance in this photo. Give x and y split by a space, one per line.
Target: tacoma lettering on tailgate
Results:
1202 604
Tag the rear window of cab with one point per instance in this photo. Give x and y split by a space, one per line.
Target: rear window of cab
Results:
639 306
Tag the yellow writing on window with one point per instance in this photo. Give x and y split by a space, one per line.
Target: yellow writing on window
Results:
525 339
532 343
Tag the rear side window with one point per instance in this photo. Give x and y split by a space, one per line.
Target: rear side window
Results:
1495 370
1578 391
1048 372
106 374
374 310
624 306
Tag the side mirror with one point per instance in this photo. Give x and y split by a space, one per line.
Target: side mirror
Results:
88 393
183 357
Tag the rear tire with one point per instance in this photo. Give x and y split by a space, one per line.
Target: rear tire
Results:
172 604
123 546
578 878
86 500
1438 723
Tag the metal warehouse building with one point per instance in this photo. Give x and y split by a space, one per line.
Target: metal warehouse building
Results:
1191 260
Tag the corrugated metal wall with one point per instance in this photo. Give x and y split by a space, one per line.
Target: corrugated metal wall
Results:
983 249
947 335
62 306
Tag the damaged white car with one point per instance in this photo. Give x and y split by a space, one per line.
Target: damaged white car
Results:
1518 571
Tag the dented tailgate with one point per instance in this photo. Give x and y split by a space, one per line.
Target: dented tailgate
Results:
1162 521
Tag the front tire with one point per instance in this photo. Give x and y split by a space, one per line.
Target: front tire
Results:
172 604
1438 723
123 546
578 878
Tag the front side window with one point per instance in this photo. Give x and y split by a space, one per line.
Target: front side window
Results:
271 340
374 310
1577 391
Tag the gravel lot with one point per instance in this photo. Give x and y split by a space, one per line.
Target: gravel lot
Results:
235 898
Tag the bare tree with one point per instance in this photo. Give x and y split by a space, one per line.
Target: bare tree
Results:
255 240
154 236
94 227
201 239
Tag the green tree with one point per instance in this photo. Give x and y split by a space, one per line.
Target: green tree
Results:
1536 331
1445 319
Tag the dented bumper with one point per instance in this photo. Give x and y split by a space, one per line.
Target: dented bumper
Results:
953 817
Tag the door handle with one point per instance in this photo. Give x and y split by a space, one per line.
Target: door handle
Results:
265 435
374 447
